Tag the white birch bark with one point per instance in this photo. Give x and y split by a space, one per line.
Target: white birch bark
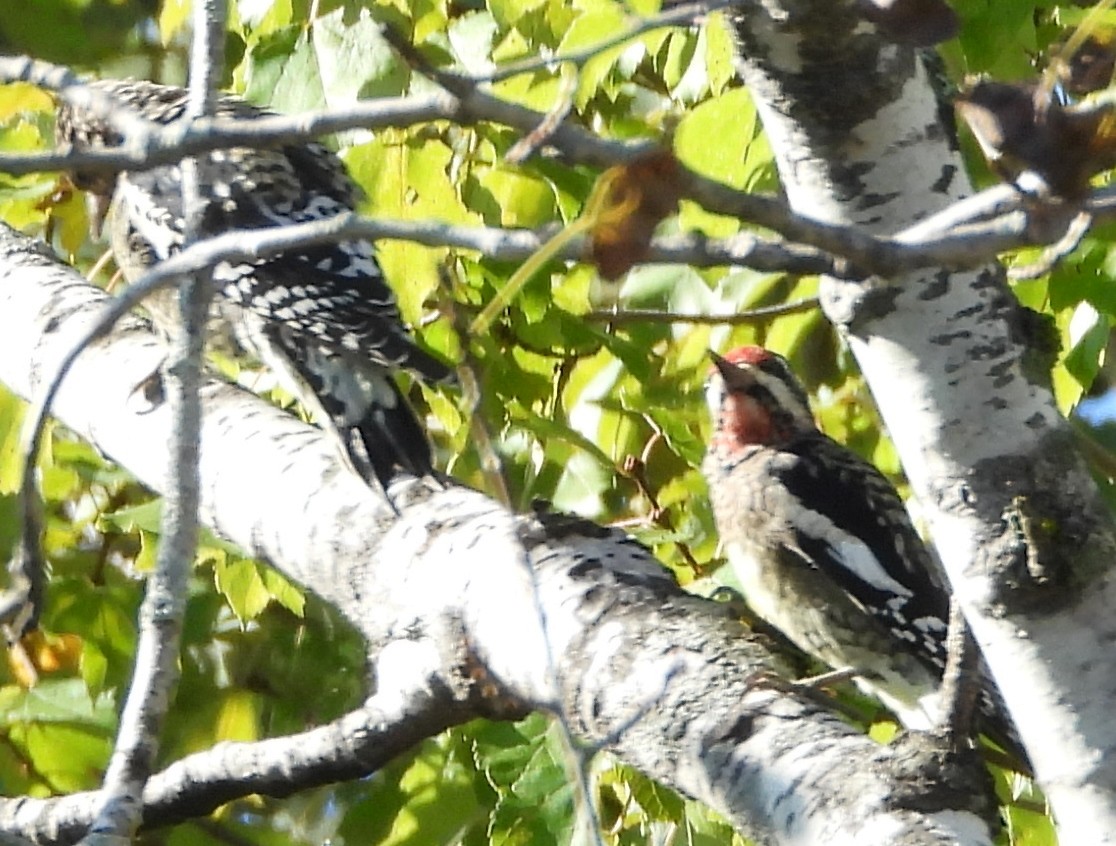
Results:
960 374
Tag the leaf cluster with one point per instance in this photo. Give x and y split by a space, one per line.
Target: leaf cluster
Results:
564 400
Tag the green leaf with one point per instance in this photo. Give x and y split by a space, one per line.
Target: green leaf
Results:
998 39
705 827
57 701
471 36
432 801
238 716
286 593
76 32
720 61
441 800
680 56
595 25
18 99
240 582
525 763
59 482
280 71
678 432
11 460
732 118
409 178
508 13
65 735
103 616
263 17
352 59
1089 336
149 551
94 668
173 17
657 802
516 198
146 516
68 758
549 430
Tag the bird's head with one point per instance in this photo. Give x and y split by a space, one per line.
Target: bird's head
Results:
754 398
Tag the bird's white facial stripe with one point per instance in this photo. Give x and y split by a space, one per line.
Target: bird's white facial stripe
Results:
714 394
785 398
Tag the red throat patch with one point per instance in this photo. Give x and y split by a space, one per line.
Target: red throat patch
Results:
744 421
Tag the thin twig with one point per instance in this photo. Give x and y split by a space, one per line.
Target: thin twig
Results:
618 317
965 235
636 470
164 604
741 250
491 466
1057 251
530 143
961 680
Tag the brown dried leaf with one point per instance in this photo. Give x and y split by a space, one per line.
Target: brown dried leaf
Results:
628 202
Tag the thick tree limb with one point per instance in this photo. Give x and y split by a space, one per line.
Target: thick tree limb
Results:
522 613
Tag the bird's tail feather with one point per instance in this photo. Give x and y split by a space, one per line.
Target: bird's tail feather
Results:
359 403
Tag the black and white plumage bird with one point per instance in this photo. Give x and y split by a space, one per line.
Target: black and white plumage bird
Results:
322 318
823 545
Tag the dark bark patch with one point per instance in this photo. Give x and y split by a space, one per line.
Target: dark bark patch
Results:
937 286
932 775
946 339
942 184
736 729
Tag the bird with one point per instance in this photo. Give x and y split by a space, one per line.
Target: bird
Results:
823 546
322 318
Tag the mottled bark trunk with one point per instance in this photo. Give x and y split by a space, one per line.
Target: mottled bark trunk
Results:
960 373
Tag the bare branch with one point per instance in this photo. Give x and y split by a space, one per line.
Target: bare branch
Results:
997 217
409 709
120 803
619 317
966 235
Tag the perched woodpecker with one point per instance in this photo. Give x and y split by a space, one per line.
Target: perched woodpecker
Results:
823 546
322 318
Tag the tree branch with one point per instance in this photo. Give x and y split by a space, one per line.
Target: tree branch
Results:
524 612
408 710
966 235
119 807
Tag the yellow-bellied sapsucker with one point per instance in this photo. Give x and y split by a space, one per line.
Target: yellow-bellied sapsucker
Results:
823 546
322 318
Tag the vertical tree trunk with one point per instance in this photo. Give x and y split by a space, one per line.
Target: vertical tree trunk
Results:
960 373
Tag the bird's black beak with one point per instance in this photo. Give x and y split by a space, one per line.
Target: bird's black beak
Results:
737 376
726 367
